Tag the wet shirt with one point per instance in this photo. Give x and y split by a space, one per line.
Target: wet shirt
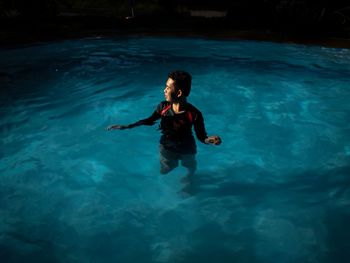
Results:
177 128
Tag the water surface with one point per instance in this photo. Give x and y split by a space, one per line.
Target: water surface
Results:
276 190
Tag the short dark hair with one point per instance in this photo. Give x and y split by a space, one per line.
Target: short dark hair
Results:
182 80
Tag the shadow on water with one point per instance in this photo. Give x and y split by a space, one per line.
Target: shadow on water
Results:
317 200
52 240
334 181
220 246
338 243
226 229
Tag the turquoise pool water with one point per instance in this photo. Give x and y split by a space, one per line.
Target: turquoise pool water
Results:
276 190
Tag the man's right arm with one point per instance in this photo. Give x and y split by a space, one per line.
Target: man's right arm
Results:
202 134
148 121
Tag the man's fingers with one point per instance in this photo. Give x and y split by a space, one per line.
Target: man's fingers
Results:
216 140
116 127
112 127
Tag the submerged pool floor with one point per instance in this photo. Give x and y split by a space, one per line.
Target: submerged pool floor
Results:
276 190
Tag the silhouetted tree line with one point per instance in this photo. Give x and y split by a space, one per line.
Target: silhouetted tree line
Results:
278 13
29 8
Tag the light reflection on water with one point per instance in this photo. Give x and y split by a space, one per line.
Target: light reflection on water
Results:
277 188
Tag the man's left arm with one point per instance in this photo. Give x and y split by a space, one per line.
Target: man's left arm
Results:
201 133
148 121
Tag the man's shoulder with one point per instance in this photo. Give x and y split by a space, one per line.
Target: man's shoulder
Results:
164 102
192 108
162 105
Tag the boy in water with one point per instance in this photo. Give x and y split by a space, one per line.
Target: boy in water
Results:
177 118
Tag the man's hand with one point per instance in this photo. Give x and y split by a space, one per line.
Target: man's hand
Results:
216 140
116 127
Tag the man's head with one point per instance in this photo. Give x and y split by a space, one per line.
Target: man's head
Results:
178 85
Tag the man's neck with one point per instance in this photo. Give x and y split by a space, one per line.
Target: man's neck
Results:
179 107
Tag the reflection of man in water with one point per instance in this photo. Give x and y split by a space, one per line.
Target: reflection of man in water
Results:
177 118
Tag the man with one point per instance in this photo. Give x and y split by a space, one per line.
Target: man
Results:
177 119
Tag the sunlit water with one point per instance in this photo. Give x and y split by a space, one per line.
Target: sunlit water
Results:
276 190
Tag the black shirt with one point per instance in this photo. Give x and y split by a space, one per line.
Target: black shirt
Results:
177 128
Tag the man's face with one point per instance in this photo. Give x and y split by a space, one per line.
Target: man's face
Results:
169 90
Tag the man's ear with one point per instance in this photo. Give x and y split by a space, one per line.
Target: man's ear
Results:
179 93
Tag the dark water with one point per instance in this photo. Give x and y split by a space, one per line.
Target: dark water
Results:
276 190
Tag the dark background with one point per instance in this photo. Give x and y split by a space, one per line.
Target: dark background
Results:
306 20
